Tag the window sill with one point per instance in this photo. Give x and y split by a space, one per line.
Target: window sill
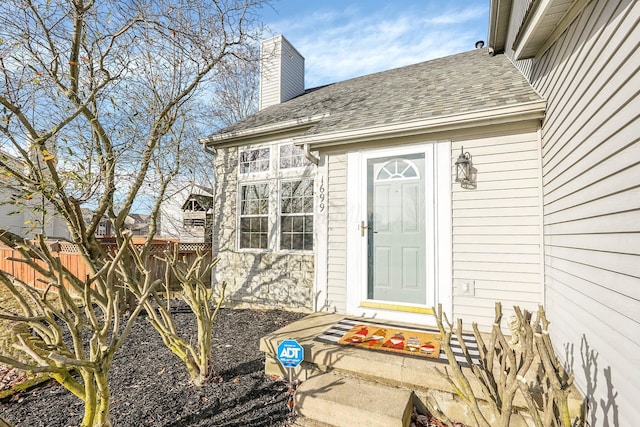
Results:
267 251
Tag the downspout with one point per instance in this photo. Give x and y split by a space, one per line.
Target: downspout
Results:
207 149
307 153
320 255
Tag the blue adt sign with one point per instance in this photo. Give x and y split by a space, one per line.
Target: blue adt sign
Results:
290 353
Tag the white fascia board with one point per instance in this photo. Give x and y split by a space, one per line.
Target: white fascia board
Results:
519 112
530 25
231 138
544 25
499 14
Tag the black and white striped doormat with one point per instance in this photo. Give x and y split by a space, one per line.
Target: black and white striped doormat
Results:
334 333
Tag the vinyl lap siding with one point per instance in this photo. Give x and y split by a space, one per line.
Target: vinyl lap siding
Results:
497 227
281 72
337 233
591 164
518 12
269 73
292 75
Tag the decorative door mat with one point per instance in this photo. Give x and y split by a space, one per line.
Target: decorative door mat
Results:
394 340
347 328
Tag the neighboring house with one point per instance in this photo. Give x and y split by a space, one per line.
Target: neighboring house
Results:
105 228
187 213
138 224
197 218
23 217
548 117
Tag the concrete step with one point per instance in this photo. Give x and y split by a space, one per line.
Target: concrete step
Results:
377 368
338 401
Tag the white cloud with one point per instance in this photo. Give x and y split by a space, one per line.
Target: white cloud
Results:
338 45
459 16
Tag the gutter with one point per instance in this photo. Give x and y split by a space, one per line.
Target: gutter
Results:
525 111
237 137
206 148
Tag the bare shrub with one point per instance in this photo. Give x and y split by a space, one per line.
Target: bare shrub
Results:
502 372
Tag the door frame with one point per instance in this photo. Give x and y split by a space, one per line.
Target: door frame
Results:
439 249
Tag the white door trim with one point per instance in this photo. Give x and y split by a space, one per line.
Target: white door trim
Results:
438 207
321 286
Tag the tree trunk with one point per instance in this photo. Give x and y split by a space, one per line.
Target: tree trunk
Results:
205 329
96 404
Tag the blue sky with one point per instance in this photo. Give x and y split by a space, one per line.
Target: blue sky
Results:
341 39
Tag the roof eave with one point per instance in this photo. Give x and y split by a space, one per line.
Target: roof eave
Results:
270 131
499 15
533 110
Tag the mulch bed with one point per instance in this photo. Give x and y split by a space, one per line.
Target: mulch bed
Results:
150 387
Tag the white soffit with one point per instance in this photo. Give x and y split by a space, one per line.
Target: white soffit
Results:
543 24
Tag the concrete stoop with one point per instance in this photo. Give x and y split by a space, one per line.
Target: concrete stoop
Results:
346 386
340 401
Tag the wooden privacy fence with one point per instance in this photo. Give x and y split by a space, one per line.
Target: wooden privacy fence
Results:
73 262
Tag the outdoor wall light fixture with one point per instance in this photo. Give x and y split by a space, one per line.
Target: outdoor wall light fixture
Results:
465 172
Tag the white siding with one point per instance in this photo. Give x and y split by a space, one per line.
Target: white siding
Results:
497 227
269 73
11 218
591 165
26 222
518 12
281 72
337 233
292 77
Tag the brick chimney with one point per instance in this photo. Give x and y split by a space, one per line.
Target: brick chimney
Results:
281 71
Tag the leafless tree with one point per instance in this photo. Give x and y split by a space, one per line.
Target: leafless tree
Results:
236 89
200 296
501 372
95 103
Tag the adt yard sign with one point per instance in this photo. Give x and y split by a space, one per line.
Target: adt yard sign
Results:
290 353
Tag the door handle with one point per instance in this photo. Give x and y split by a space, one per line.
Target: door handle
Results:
363 227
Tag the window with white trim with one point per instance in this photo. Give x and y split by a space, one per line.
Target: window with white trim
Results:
256 160
397 169
254 216
292 157
275 199
296 215
102 229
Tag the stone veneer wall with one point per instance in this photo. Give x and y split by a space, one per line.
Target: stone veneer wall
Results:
256 279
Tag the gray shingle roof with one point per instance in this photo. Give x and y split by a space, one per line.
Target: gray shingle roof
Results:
461 83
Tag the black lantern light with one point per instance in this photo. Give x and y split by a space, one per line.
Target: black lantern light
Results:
465 172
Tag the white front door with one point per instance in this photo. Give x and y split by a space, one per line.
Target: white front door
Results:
399 234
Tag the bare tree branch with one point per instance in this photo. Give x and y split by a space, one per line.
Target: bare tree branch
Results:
97 100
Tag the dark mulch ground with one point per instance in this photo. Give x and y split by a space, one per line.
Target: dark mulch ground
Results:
149 385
